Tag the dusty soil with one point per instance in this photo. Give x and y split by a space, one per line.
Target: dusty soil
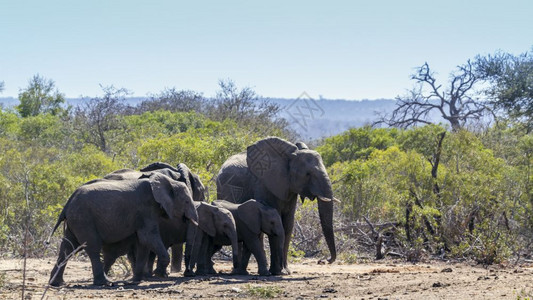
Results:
383 280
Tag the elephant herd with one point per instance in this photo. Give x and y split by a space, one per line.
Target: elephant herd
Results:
142 213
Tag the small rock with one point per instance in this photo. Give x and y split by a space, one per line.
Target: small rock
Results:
329 290
437 284
236 290
446 270
321 262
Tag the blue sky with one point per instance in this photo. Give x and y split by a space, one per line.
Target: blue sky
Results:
333 49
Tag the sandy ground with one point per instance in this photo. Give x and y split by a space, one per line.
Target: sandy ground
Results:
309 280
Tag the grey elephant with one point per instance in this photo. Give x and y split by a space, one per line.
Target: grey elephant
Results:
253 219
106 211
216 227
213 222
275 172
173 232
198 193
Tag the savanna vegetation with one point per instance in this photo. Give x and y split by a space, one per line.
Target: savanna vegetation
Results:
460 189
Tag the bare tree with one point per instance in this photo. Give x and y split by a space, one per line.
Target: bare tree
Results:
97 117
173 100
457 104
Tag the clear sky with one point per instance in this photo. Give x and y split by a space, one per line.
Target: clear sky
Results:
334 49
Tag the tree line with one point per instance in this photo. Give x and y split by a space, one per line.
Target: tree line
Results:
460 189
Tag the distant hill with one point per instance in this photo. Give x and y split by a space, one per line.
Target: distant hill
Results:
310 118
314 119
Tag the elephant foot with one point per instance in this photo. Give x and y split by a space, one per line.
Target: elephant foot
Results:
135 280
102 282
240 272
264 273
161 273
278 271
189 273
57 282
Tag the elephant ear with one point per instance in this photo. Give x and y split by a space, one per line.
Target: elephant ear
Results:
185 173
158 166
268 160
163 192
250 214
193 182
206 218
301 145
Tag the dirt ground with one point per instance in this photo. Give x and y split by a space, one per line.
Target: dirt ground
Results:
383 280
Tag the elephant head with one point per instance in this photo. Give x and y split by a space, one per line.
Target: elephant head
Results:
261 218
218 221
181 173
173 196
286 169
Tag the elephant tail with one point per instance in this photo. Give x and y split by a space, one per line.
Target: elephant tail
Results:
61 218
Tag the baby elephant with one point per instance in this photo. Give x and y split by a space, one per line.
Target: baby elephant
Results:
216 227
213 223
253 218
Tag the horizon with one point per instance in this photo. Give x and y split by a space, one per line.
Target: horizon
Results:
339 50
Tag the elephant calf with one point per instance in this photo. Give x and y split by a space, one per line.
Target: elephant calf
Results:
216 228
214 223
253 219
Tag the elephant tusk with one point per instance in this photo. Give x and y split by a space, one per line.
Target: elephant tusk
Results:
336 200
324 199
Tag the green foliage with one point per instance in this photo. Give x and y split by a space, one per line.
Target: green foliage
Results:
511 84
39 98
355 143
477 205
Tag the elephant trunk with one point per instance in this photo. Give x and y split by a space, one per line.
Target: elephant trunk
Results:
325 211
232 235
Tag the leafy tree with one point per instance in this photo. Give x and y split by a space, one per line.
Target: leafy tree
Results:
511 84
40 97
457 104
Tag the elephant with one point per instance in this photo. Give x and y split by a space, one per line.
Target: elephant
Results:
181 173
104 211
252 219
275 172
217 228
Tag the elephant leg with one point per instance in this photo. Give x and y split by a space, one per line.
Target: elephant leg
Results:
141 258
257 248
193 249
205 256
132 257
209 259
288 224
68 245
149 269
151 239
109 259
93 250
244 256
177 258
276 258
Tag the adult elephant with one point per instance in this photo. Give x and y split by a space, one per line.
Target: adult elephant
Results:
275 172
181 173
